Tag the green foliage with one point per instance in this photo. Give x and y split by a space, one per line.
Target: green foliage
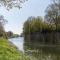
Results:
10 52
37 25
33 25
36 30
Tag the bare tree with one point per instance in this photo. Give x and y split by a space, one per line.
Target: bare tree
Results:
9 4
53 13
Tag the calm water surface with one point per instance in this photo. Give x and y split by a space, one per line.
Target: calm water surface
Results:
18 42
36 51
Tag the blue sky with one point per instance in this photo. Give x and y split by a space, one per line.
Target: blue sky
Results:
17 17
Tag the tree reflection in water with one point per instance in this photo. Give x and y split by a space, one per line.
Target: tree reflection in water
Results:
42 52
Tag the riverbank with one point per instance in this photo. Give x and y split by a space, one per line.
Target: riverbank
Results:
9 52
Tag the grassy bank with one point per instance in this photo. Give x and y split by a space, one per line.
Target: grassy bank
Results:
9 52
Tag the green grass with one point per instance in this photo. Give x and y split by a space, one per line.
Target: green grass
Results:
10 52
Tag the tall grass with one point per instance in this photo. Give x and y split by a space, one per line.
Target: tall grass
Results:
10 52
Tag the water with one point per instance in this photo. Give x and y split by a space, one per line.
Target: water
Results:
36 50
18 42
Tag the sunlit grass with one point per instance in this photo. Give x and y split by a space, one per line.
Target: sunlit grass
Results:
9 52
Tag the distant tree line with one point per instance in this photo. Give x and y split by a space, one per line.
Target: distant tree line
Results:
3 33
8 4
10 34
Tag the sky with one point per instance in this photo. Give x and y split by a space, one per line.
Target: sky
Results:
16 17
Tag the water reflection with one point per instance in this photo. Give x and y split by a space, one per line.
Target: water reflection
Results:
42 52
36 50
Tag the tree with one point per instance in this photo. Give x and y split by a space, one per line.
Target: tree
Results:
9 34
9 4
37 25
2 23
53 13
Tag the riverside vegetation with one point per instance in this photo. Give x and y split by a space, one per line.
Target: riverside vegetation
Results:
10 52
7 50
47 30
36 30
40 34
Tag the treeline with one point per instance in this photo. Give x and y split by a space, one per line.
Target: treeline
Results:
37 30
36 24
47 30
10 34
3 33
